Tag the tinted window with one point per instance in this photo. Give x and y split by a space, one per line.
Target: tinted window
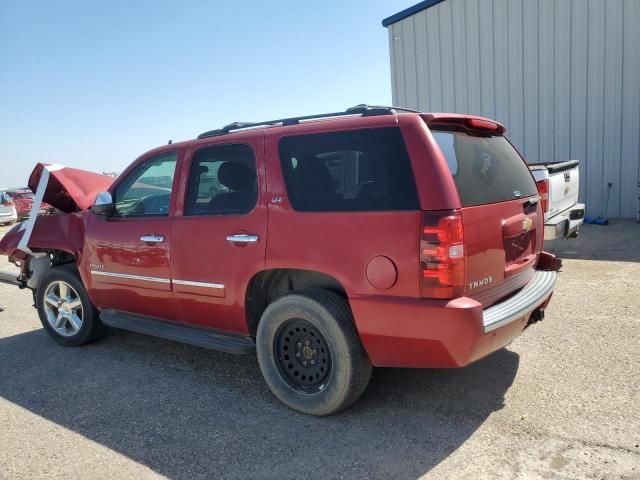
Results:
146 191
222 180
355 170
485 169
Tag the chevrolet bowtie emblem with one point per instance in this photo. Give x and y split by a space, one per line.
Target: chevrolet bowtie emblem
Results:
527 224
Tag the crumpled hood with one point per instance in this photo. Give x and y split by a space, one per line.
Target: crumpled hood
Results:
69 189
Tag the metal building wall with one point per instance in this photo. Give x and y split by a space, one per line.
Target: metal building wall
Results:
562 75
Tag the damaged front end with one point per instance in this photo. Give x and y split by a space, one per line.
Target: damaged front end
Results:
53 240
42 242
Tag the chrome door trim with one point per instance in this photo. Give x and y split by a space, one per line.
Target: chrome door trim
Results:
130 277
243 238
198 284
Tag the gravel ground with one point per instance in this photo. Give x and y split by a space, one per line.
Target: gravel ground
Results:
561 402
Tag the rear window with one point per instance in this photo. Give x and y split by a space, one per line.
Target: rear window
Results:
485 169
356 170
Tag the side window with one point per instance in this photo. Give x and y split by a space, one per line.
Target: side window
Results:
147 189
222 180
356 170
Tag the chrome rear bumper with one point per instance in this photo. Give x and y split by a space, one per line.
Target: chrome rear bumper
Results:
532 295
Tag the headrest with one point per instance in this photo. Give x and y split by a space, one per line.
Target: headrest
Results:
236 176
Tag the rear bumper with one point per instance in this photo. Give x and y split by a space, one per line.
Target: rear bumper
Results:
523 303
439 334
565 223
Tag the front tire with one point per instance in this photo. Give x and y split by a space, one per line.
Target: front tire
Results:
65 310
310 352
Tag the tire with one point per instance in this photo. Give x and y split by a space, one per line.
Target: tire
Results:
61 322
300 333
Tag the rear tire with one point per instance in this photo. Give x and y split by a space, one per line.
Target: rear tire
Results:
310 352
65 310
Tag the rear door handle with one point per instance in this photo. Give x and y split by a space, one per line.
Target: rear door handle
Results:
242 238
152 238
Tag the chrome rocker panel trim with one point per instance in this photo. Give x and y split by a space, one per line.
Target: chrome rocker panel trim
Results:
157 279
198 284
131 277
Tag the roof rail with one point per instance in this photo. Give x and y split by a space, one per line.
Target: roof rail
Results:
385 107
362 109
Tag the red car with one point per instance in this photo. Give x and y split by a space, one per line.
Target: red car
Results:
329 244
23 198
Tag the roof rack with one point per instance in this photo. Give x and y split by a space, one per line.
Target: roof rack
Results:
362 109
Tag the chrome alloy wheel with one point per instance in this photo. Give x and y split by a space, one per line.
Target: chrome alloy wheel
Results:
63 308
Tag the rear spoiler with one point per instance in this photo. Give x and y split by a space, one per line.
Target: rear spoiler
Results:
555 167
470 123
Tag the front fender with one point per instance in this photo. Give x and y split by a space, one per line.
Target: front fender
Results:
63 232
9 243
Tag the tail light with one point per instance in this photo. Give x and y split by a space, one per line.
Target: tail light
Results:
8 203
442 255
543 189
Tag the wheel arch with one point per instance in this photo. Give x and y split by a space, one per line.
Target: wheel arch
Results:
35 266
270 284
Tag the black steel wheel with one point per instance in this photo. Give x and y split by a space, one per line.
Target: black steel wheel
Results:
310 353
302 355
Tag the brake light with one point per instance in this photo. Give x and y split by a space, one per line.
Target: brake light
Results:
543 189
442 255
480 124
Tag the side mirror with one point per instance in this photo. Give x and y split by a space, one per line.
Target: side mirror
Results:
103 204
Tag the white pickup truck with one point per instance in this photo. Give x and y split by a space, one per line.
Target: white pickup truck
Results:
558 183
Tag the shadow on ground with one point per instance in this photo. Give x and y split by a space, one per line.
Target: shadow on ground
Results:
190 412
619 241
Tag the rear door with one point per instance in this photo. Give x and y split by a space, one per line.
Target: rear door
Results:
218 242
503 224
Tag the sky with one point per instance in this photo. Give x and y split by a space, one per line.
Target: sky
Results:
95 84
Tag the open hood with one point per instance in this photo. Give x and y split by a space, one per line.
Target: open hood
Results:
68 189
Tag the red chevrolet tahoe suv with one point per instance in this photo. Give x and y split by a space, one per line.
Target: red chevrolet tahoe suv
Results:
328 244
